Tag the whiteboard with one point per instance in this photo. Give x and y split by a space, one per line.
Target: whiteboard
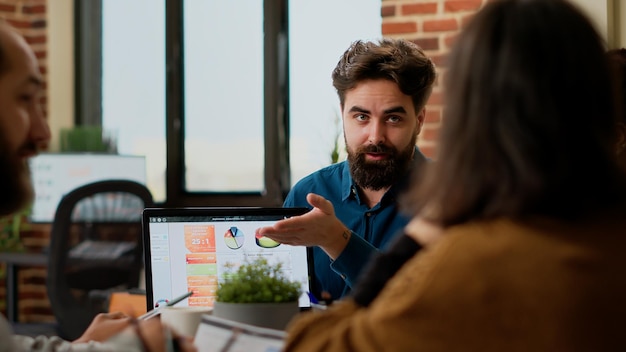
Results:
55 174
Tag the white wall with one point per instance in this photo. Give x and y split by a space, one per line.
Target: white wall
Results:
610 19
619 16
60 68
600 13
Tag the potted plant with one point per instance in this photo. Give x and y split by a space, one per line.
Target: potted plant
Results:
88 139
10 230
257 293
10 239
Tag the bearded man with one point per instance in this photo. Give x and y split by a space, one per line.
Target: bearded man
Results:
383 88
23 132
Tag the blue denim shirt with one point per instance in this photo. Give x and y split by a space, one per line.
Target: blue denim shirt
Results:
372 228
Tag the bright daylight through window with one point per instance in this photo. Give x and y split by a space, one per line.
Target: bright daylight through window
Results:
224 98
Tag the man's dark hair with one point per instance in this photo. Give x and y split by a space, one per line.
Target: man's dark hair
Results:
529 119
396 60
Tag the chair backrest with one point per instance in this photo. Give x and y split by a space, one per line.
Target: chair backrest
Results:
95 244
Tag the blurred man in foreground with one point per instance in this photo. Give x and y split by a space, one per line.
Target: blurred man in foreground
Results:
23 132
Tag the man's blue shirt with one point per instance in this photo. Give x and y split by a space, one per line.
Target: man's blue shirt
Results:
371 228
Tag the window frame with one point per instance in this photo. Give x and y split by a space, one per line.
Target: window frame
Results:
88 58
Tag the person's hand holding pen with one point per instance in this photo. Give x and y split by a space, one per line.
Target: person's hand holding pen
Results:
153 335
104 326
161 337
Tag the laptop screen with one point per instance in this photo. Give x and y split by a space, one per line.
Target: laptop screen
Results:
186 249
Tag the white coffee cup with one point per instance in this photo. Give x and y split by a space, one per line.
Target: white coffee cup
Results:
184 320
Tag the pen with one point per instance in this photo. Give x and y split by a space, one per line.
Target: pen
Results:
157 311
315 304
178 299
319 306
312 298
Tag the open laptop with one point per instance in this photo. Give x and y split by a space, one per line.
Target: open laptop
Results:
186 249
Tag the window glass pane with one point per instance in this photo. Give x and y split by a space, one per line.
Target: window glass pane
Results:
133 82
223 58
319 32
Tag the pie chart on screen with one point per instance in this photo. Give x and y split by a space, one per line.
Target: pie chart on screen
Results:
233 238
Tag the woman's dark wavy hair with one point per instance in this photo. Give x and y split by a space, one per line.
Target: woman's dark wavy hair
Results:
529 119
617 59
4 65
397 60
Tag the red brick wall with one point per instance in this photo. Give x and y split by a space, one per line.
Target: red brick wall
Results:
433 25
33 303
28 17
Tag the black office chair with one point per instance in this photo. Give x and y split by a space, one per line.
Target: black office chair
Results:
95 246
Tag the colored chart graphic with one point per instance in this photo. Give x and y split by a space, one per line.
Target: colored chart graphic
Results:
265 242
200 238
234 238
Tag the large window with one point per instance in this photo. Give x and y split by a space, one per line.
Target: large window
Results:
231 102
223 85
318 36
133 82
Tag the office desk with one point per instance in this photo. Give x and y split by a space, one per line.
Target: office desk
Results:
15 260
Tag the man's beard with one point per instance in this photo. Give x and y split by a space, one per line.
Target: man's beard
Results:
17 189
380 174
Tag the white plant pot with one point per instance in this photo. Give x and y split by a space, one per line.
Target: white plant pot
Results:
268 315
